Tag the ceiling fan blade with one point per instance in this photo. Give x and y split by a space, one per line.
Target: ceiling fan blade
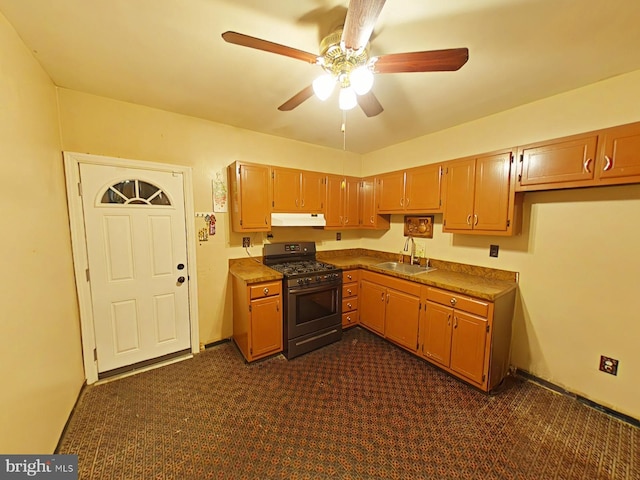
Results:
297 99
358 26
370 104
258 43
431 61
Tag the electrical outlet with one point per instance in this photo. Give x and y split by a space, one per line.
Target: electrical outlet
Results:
608 365
246 242
493 250
338 236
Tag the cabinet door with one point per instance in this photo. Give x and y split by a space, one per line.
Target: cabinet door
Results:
552 164
266 326
621 153
313 192
436 340
286 190
351 204
372 303
255 198
422 189
333 208
390 192
458 205
492 188
468 345
402 318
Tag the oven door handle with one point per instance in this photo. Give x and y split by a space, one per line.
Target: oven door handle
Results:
325 286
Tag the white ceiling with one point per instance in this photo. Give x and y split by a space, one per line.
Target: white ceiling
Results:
169 54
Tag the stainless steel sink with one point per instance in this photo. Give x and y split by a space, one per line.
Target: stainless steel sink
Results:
405 268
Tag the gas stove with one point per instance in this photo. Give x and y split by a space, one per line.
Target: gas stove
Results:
312 293
296 261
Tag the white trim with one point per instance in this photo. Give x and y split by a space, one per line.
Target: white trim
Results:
72 161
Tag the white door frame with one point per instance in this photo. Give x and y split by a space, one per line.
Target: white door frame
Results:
72 161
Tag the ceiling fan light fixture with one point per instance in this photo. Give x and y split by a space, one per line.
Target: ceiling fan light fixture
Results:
347 99
323 86
361 80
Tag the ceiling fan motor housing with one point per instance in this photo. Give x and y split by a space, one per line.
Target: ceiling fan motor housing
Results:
339 62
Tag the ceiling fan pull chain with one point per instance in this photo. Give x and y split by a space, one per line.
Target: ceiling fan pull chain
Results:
343 128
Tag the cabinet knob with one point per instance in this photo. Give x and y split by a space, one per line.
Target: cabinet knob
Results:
453 302
349 318
265 291
349 276
349 305
349 291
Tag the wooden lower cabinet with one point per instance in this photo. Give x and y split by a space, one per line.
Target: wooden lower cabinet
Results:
350 290
466 336
390 307
257 318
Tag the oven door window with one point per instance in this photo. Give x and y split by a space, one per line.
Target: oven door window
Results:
315 305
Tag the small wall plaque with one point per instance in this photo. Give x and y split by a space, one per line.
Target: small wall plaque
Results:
421 227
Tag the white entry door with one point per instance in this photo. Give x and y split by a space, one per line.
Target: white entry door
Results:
137 256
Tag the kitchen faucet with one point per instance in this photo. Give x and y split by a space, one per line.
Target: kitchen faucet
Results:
413 248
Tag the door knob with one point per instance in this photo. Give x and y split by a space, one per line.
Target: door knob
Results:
181 280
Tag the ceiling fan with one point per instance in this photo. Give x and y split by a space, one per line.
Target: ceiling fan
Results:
344 56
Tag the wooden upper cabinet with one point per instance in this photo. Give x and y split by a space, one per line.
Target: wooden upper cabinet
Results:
390 192
413 190
423 188
368 216
480 196
297 190
620 159
342 205
558 164
250 197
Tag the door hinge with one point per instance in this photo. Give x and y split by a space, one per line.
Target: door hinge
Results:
273 203
419 306
484 376
441 169
95 354
508 223
519 177
79 188
249 307
487 328
240 222
521 157
87 275
273 175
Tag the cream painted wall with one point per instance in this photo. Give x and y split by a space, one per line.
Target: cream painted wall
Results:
102 126
40 351
577 256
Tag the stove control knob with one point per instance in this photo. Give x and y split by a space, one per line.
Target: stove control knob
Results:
318 278
307 280
299 282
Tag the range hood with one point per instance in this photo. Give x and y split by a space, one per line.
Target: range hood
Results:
297 220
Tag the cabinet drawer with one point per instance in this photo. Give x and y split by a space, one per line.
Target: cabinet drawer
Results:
349 304
349 318
350 290
262 290
350 276
450 299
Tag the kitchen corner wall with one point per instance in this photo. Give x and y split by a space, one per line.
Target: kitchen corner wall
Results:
40 351
578 254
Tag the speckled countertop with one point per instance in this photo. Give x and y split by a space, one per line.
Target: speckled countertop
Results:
479 282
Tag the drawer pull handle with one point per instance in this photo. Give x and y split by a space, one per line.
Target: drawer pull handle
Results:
586 165
609 163
469 219
349 306
265 291
349 291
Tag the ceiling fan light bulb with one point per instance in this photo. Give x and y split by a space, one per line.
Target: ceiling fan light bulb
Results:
361 80
323 86
347 99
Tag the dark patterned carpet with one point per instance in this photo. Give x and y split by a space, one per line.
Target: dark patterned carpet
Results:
357 409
